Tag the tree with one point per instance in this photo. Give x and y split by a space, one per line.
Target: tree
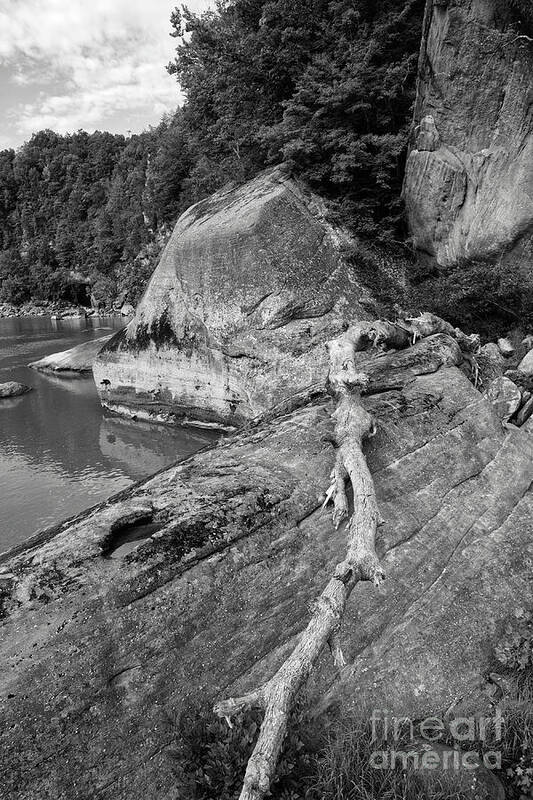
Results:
325 86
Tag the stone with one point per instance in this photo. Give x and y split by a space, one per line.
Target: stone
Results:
505 397
469 199
506 347
490 363
248 290
127 310
79 359
7 581
427 135
13 389
525 412
98 655
526 365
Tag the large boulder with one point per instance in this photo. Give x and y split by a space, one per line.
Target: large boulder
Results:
98 654
250 286
468 183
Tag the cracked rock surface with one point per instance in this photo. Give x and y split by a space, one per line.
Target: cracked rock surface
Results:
97 653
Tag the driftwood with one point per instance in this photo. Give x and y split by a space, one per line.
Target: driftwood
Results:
275 698
349 376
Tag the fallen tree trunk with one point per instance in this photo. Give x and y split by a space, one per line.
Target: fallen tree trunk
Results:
275 698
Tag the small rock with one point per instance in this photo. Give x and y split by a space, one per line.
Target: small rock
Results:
505 347
13 389
127 310
492 350
427 135
525 396
7 580
526 365
505 396
78 359
525 412
490 363
528 341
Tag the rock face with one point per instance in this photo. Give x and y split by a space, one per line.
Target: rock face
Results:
505 397
526 365
79 359
469 183
249 288
13 389
99 654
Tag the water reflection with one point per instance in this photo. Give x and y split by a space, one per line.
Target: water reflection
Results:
58 453
131 444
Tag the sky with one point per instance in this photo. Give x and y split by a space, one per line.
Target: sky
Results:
91 64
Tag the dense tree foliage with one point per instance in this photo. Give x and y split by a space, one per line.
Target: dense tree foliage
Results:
325 85
86 206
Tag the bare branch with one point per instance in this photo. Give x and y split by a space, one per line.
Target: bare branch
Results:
352 425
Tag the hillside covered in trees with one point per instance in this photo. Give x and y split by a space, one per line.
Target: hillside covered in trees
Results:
327 86
85 206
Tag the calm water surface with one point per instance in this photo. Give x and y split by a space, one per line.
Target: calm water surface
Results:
59 454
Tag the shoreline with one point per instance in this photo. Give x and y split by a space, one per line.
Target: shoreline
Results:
56 311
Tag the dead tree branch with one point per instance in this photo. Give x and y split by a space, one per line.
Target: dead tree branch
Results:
348 377
353 424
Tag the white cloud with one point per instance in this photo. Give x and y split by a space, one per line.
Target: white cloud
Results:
93 60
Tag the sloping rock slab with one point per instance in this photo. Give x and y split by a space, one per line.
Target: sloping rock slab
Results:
79 359
97 654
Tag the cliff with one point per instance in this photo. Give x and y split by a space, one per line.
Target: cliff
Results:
249 288
468 183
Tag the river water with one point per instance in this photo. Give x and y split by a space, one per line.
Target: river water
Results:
59 453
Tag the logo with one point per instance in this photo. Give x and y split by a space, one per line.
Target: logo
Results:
425 744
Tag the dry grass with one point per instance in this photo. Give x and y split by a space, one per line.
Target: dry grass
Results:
344 771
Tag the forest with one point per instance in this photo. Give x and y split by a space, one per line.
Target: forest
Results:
326 86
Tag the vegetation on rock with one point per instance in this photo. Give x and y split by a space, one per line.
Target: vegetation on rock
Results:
321 760
325 86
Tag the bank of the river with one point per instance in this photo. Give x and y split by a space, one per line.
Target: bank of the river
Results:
58 310
59 454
